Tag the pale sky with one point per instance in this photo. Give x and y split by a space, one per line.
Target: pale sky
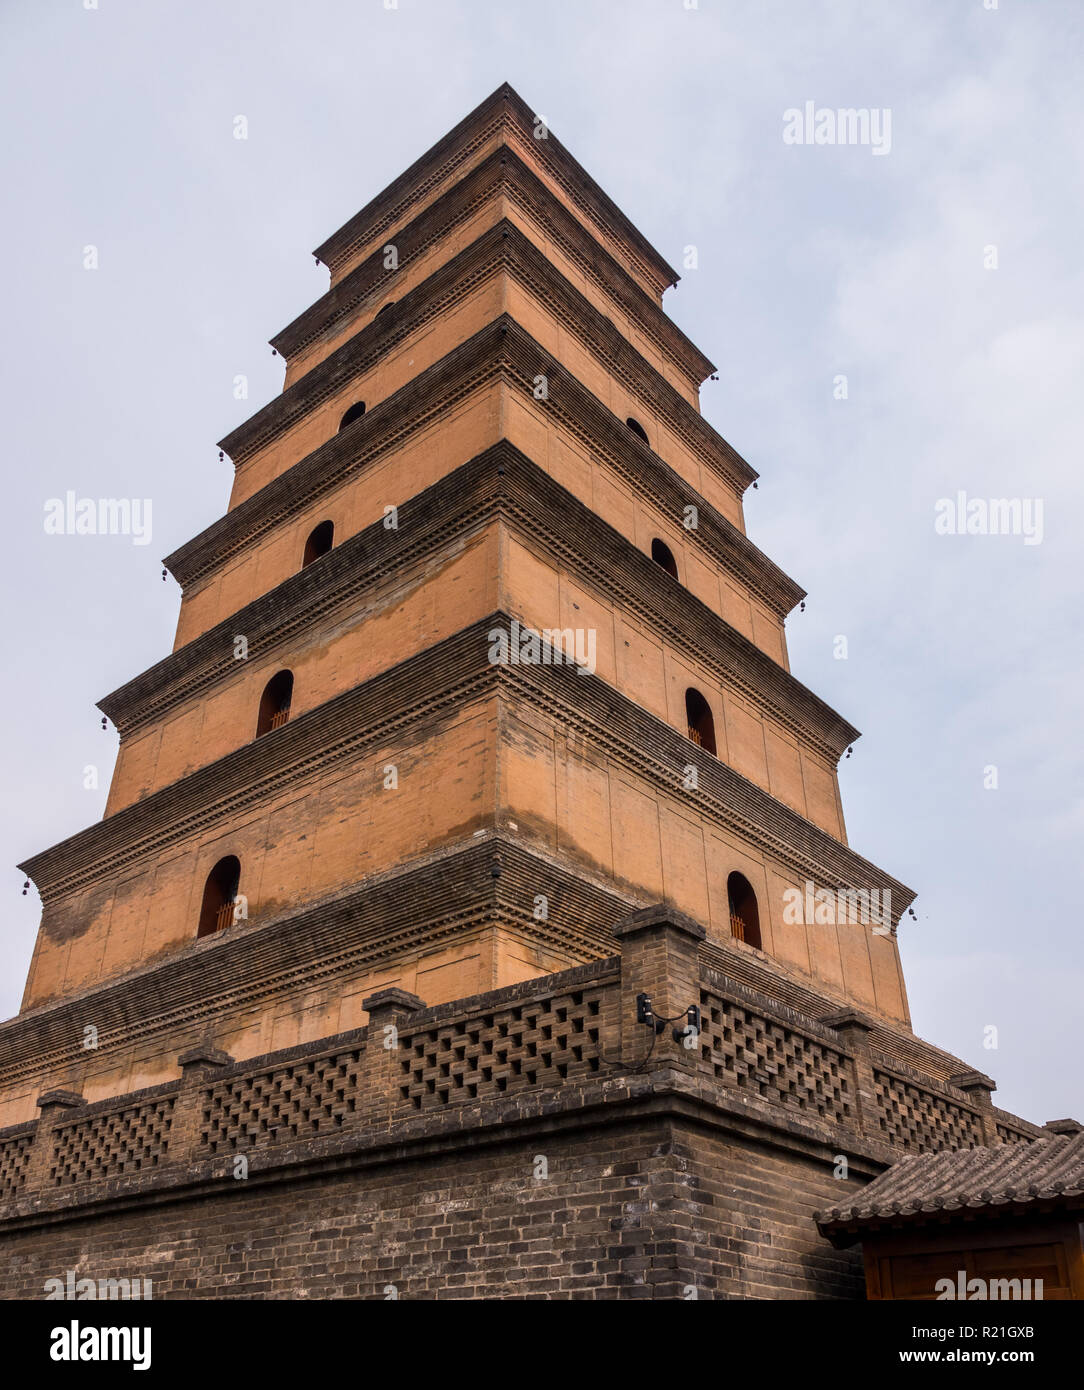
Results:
815 261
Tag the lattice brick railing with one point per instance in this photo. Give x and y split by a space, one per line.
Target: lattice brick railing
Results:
1012 1130
541 1041
15 1161
772 1059
775 1055
304 1098
128 1139
914 1118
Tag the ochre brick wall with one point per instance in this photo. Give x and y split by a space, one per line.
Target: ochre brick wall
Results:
570 795
359 502
488 414
398 619
500 188
393 370
646 668
389 288
311 839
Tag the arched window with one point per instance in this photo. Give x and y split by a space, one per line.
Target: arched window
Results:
744 915
275 703
356 411
664 556
219 896
638 430
319 542
701 722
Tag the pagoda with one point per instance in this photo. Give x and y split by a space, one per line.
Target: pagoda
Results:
475 819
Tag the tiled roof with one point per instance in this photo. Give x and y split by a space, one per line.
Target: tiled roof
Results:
922 1186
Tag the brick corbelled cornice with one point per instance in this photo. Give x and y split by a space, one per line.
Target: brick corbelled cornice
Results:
502 482
500 351
437 684
502 248
501 174
504 115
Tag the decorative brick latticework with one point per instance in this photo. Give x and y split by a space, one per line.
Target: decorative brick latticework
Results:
306 1099
920 1120
14 1163
541 1043
774 1061
1011 1130
127 1140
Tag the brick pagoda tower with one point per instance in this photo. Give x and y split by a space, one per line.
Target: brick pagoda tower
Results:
383 871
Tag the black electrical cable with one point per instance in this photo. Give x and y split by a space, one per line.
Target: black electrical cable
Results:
640 1066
